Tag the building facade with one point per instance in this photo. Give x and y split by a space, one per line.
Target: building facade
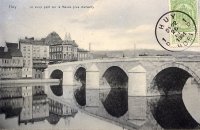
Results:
35 104
83 54
65 51
38 90
11 102
26 49
10 92
36 57
26 113
11 61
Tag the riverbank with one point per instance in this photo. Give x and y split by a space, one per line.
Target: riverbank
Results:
27 81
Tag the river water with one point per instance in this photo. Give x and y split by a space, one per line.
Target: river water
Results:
41 109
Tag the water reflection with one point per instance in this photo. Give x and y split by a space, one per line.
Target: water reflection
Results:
80 92
116 102
31 104
171 113
80 95
57 89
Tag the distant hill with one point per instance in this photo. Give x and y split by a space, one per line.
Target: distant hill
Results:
144 52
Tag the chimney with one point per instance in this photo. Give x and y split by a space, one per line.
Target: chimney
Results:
69 37
90 47
66 37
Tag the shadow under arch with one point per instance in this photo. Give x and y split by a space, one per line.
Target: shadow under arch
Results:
176 73
169 109
116 101
80 92
57 89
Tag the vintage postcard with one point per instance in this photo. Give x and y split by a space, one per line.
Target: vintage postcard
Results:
100 64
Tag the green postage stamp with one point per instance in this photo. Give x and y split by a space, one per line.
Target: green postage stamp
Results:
190 7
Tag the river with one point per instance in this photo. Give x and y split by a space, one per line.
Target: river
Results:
39 108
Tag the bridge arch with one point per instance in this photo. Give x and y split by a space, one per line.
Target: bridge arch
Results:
175 70
80 85
76 68
57 89
169 110
116 101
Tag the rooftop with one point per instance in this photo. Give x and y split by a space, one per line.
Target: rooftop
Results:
5 55
82 50
33 41
11 45
70 42
13 51
52 39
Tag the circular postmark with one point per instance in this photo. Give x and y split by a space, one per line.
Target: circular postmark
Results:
175 31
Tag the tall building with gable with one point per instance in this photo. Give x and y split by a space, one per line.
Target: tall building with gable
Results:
36 56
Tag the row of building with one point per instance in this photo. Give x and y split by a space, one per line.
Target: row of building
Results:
29 57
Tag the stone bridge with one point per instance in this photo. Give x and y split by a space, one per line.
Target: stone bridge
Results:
141 76
117 89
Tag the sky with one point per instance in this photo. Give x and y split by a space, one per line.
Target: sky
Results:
108 25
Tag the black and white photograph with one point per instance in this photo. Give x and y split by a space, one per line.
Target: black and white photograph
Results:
99 64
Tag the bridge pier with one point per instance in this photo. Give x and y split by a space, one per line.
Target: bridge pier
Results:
137 109
68 83
68 94
137 81
46 74
68 77
92 86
